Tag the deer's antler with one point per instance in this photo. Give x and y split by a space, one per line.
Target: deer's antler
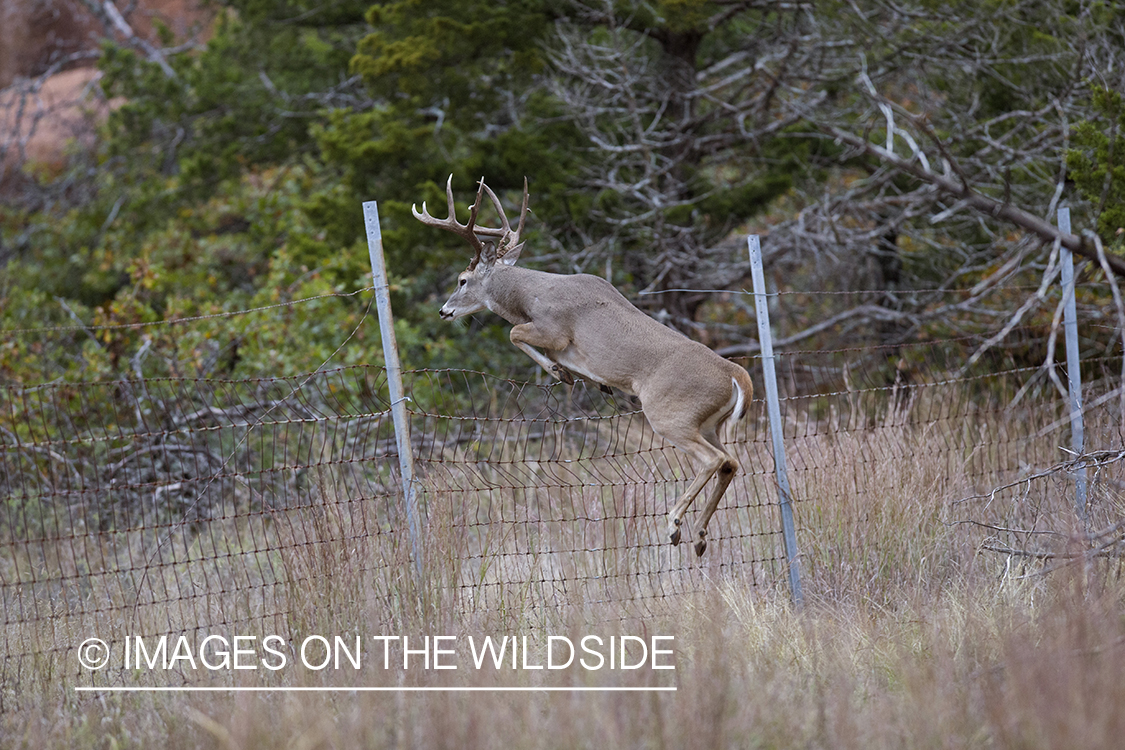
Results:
508 239
467 231
470 232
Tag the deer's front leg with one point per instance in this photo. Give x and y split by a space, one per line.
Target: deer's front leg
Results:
527 336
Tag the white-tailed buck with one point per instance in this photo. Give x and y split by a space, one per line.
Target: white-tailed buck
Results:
581 325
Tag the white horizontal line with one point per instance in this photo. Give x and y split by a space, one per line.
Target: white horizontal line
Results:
361 689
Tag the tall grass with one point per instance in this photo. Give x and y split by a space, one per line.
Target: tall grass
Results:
913 635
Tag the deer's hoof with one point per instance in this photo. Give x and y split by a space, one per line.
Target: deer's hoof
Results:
605 388
674 532
564 375
700 547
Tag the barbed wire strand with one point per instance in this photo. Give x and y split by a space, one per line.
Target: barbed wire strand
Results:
180 321
330 295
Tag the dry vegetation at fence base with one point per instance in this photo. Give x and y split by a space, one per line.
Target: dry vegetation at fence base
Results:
912 637
1032 663
973 668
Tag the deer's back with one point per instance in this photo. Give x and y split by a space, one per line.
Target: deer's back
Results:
617 344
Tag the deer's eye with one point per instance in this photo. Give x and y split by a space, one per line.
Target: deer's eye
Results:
462 282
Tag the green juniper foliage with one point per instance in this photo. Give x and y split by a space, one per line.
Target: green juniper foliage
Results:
651 134
1097 163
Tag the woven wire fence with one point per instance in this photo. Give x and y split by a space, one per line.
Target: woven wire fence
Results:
563 492
987 456
169 506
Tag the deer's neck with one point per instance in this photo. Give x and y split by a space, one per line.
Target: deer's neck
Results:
512 290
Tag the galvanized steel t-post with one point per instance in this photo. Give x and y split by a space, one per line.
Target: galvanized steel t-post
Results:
773 407
1073 368
394 378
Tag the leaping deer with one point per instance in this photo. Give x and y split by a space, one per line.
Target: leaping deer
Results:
581 325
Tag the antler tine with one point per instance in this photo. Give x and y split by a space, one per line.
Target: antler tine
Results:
474 209
450 224
486 231
507 228
523 213
452 212
471 228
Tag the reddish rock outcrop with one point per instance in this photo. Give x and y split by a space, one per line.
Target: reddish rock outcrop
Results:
48 94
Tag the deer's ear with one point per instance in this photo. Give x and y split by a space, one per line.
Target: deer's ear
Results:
488 254
509 258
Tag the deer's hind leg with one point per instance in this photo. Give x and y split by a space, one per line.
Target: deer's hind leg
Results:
698 437
726 471
716 462
708 461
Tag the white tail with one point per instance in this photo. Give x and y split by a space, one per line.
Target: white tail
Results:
581 325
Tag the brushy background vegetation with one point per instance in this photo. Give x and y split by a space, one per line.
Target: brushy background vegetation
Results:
230 171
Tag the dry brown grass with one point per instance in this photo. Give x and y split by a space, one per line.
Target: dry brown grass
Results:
911 637
968 669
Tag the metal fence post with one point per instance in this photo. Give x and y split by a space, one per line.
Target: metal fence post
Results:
394 378
1073 367
773 407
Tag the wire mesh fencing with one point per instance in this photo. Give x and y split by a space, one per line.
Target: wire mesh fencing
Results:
563 492
984 468
171 506
167 506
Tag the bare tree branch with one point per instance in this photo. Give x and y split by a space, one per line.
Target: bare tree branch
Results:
111 18
973 199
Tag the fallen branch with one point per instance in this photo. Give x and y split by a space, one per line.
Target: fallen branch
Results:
982 203
1094 458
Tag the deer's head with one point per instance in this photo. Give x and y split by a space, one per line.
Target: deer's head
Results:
490 246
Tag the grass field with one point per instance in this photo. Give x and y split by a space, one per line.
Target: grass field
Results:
913 634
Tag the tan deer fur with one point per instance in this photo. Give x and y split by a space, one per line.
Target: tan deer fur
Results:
581 325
